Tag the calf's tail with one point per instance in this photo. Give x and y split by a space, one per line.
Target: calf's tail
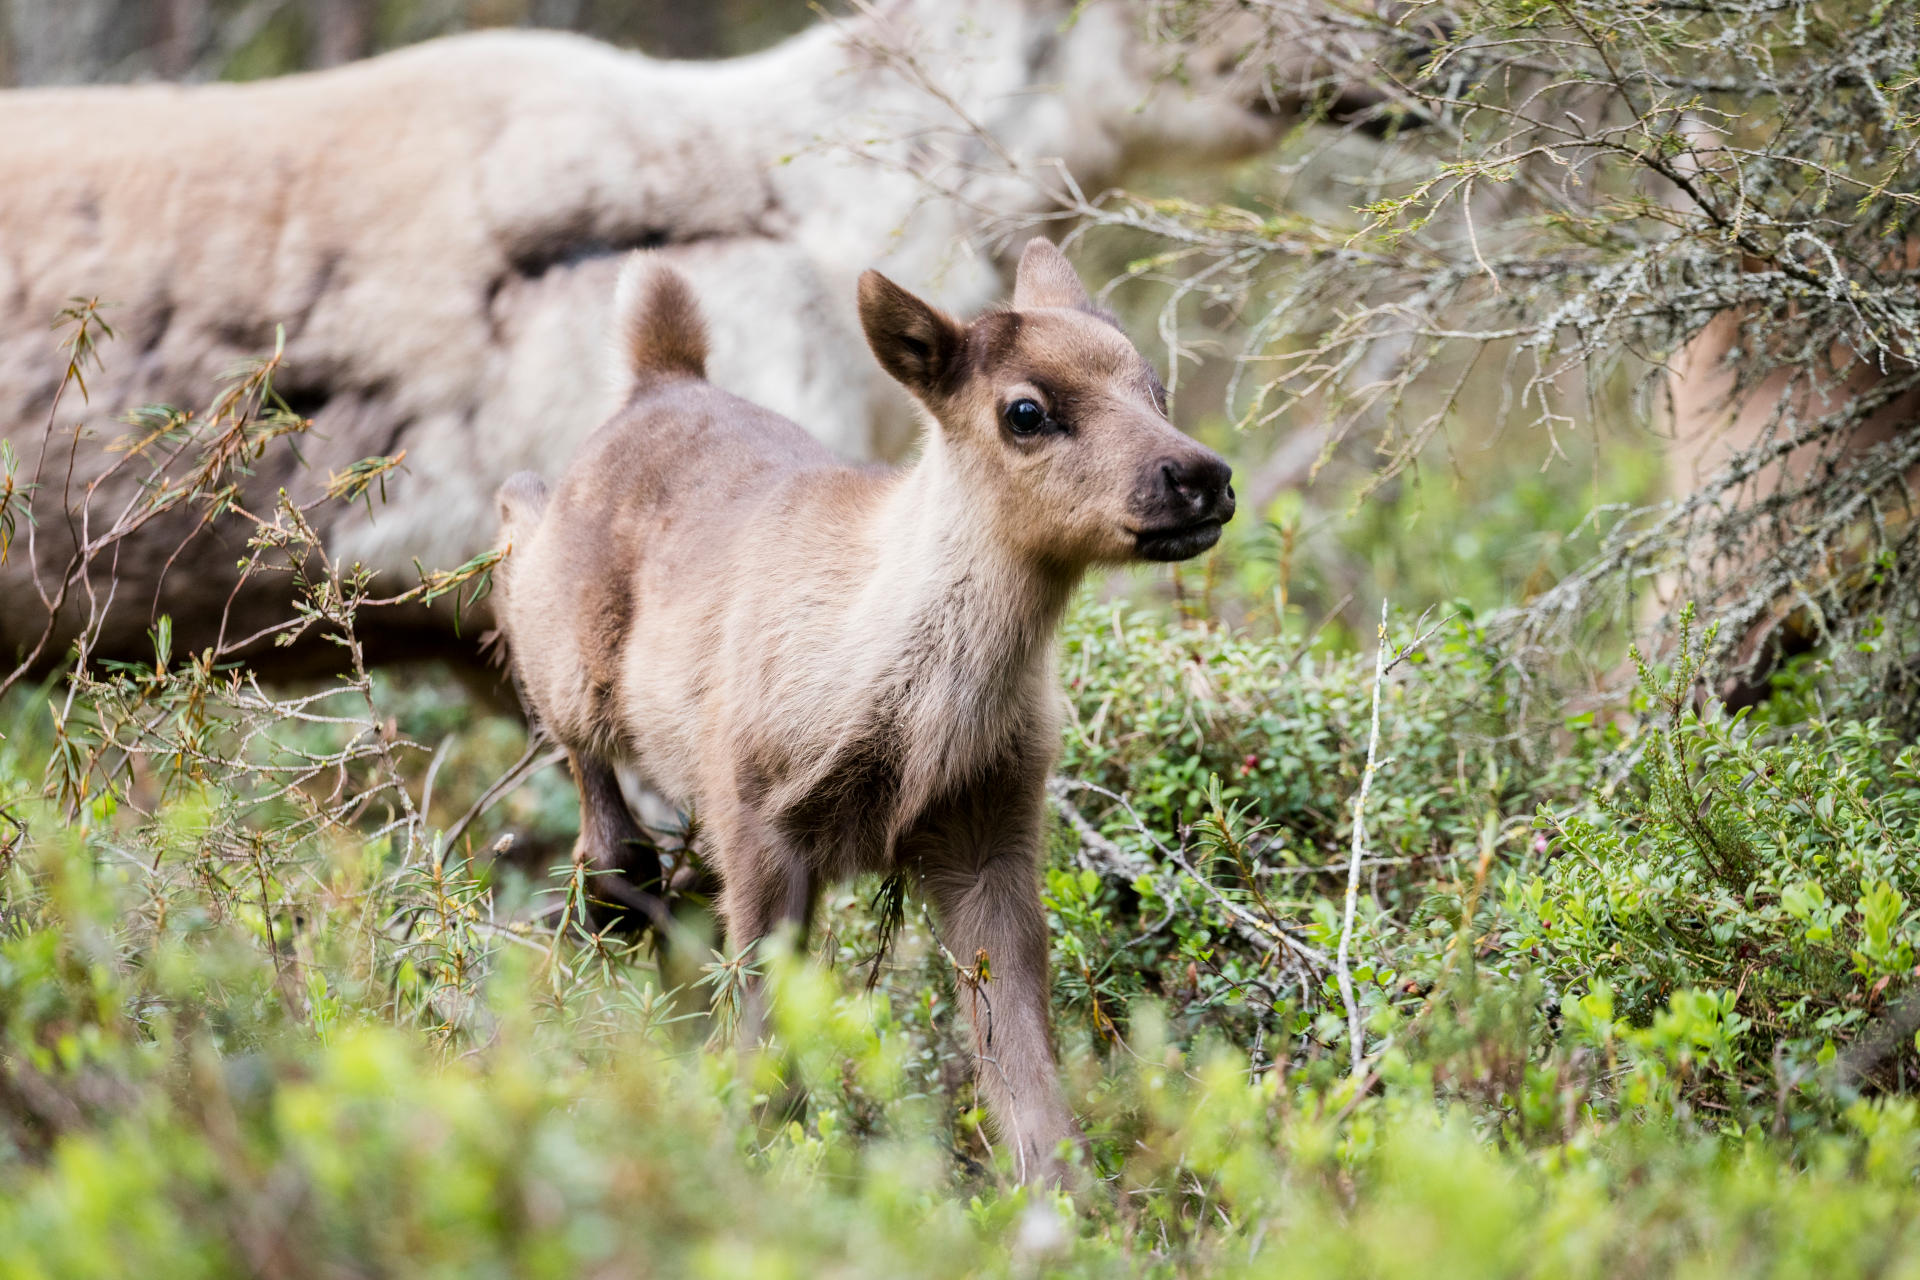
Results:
657 323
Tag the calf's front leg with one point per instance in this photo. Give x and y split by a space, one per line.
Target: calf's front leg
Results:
765 882
765 885
980 863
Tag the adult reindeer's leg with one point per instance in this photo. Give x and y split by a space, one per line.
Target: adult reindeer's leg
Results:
625 884
979 860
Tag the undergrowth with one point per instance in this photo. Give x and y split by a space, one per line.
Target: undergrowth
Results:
1633 996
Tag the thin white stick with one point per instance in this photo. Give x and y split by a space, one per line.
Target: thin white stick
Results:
1353 863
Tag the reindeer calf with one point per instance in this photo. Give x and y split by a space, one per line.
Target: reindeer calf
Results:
845 670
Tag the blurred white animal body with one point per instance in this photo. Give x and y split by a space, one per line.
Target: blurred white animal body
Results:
439 231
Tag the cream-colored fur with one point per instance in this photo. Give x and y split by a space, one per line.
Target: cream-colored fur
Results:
439 231
844 670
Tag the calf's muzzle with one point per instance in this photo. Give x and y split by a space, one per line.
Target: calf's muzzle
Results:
1192 499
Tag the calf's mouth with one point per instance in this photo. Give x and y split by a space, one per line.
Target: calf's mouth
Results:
1176 542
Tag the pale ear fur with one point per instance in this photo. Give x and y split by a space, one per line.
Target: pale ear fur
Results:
657 323
915 342
1047 279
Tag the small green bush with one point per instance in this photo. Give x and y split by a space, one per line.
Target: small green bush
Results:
1748 893
1231 761
177 1110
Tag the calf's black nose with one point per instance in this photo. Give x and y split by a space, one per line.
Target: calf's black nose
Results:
1198 487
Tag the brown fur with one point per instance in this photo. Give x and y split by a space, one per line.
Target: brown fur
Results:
663 329
846 670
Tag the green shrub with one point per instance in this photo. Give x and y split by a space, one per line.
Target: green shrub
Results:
193 1120
1230 761
1747 896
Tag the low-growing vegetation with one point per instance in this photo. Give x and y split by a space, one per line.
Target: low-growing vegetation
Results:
1632 996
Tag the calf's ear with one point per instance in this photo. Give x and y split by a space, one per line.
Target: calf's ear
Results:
1047 279
917 344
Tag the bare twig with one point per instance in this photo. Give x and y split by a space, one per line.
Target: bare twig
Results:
1356 1044
1111 859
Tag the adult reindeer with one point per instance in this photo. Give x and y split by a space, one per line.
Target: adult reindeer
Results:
1794 408
1847 406
439 229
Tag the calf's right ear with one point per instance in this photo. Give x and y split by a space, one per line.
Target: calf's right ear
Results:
916 343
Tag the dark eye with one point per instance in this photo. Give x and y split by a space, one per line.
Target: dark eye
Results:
1024 417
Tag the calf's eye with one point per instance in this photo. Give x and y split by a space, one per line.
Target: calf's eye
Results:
1024 417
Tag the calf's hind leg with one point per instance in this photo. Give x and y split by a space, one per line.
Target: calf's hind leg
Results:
624 886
